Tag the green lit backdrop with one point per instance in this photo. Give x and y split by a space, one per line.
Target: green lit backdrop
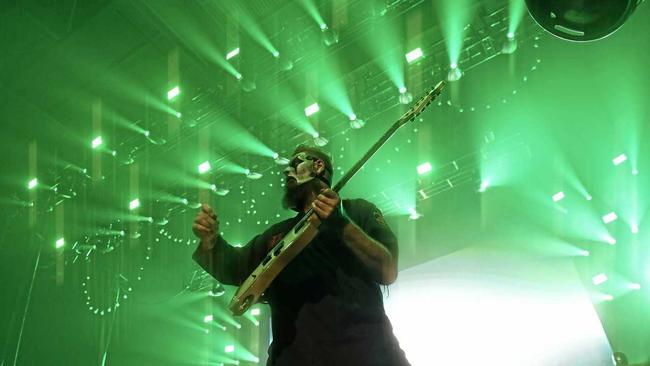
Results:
523 183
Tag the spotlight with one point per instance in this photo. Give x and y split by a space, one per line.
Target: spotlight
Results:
219 191
405 97
635 286
97 142
330 37
208 318
510 44
610 217
424 168
229 348
599 279
204 167
280 160
559 196
255 311
320 140
619 159
60 243
634 229
173 93
484 186
454 73
311 109
276 54
134 204
232 53
413 214
323 26
216 291
355 122
32 183
413 55
253 175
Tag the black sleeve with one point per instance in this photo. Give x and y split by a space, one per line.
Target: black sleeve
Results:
231 265
370 219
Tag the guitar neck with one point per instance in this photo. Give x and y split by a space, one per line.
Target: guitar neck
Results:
356 167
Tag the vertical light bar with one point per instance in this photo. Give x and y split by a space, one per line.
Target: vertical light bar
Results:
173 93
424 168
60 243
32 183
311 109
559 196
414 55
232 53
610 217
97 142
619 159
134 204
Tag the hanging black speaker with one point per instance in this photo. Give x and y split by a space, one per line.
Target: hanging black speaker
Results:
581 20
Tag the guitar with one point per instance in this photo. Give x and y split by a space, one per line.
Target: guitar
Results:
305 230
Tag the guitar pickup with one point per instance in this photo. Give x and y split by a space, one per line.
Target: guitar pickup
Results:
278 248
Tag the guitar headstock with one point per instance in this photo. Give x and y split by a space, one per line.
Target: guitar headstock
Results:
422 104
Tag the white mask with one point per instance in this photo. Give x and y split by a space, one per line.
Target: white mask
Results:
301 168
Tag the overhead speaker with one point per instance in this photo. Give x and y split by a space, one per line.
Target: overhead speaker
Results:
581 20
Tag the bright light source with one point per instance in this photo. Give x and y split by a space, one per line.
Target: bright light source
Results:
253 175
97 142
276 155
402 89
60 243
610 240
559 196
635 172
619 159
179 115
232 53
454 73
584 253
204 167
610 217
635 286
323 26
413 214
608 297
634 229
320 141
424 168
352 116
311 109
599 279
276 54
511 35
32 183
238 76
229 348
255 311
208 318
588 198
413 55
173 93
484 186
134 204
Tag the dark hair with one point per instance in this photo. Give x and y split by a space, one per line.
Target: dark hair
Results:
320 154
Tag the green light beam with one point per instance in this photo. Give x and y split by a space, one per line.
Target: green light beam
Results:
454 16
384 46
250 26
312 10
516 11
332 90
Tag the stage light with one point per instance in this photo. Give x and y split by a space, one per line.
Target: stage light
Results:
402 89
511 35
178 115
208 318
413 55
173 93
559 196
323 26
97 142
134 204
405 97
229 348
424 168
584 253
255 311
238 76
599 279
635 172
204 167
484 186
510 45
146 133
634 229
608 297
60 243
219 191
454 73
609 217
635 286
355 122
232 53
276 54
281 161
32 183
320 140
610 240
253 175
413 214
588 198
619 159
311 109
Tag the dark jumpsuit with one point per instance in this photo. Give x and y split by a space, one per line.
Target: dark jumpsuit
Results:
325 308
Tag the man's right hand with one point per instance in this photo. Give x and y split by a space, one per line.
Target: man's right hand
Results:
206 226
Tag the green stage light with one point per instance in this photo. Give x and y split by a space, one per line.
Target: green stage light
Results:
610 217
484 186
275 53
134 204
204 167
311 109
413 214
229 348
97 142
208 318
173 93
32 183
232 53
610 240
634 229
559 196
619 159
424 168
60 243
402 89
323 26
584 253
255 311
599 279
635 286
588 197
414 55
608 297
511 35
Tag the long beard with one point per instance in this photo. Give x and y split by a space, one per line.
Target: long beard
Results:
296 196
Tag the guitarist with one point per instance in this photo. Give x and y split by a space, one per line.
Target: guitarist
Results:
326 305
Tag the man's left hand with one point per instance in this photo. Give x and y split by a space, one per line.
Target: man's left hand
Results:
326 203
